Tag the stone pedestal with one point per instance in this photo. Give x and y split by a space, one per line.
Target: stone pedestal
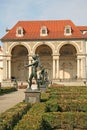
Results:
43 88
32 96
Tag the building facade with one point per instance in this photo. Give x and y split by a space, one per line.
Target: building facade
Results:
61 45
1 64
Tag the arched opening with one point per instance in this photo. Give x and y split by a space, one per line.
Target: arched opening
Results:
19 59
45 54
68 62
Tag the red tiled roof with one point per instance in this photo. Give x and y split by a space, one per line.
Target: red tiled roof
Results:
82 28
32 30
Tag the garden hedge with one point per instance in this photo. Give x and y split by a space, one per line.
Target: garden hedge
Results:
32 120
64 120
68 98
9 118
5 90
62 108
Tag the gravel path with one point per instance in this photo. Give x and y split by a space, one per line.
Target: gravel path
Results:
9 100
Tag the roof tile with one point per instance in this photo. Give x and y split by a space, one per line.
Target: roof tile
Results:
55 29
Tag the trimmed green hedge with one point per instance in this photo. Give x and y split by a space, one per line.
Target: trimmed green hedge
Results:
67 99
52 105
5 90
32 120
69 120
44 97
60 108
9 118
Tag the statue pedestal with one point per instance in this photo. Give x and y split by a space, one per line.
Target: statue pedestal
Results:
32 96
43 88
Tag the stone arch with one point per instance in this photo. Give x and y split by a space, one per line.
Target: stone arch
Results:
68 62
43 43
45 53
19 57
15 44
71 43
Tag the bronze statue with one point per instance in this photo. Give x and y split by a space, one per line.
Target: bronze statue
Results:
43 76
33 74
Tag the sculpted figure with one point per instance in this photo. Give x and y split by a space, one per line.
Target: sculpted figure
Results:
41 75
34 66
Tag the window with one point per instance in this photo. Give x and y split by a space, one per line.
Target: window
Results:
67 30
19 32
43 31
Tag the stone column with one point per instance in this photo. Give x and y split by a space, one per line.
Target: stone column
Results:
57 67
78 69
9 68
81 63
6 69
53 68
83 67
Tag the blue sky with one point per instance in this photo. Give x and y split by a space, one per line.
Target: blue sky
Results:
12 11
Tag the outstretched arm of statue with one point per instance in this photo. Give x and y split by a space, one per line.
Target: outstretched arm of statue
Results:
27 65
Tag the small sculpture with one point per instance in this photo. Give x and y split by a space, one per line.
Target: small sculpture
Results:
43 76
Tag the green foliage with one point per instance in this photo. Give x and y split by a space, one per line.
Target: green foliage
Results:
52 105
60 108
69 98
9 118
69 120
5 90
32 120
44 97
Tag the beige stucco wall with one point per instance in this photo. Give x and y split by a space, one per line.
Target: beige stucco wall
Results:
51 63
1 66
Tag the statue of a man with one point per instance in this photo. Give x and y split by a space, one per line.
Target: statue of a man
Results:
33 74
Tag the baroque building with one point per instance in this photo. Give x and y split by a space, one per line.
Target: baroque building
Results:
61 45
1 64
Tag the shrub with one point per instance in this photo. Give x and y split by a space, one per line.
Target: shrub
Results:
5 90
52 105
9 118
69 120
32 120
44 97
68 98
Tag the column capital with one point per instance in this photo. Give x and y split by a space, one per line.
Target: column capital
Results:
55 57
